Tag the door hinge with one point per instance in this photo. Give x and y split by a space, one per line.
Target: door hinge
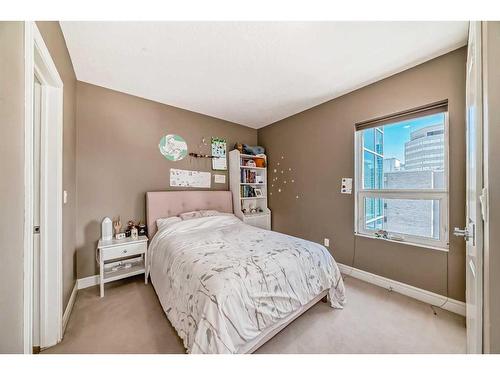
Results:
483 200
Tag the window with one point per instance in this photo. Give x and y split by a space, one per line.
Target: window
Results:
402 179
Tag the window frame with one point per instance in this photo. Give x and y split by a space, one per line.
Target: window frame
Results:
442 195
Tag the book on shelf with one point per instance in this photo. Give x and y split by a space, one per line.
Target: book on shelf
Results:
248 176
247 191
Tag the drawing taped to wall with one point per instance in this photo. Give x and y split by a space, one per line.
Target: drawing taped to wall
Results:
185 178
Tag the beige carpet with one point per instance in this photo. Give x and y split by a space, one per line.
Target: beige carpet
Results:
129 319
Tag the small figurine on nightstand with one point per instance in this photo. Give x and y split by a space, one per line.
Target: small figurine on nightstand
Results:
143 230
117 224
128 231
132 230
134 233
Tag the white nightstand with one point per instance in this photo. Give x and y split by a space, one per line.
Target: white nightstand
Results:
112 253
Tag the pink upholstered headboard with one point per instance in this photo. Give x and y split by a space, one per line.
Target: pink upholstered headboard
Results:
172 203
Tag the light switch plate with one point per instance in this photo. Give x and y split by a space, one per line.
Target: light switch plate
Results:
327 242
65 196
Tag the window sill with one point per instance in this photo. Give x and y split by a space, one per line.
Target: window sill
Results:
414 244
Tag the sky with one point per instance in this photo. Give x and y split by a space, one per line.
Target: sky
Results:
397 134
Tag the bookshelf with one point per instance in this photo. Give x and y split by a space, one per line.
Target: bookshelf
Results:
243 180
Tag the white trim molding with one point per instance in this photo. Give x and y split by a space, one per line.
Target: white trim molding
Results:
38 61
423 295
28 202
87 282
69 307
433 194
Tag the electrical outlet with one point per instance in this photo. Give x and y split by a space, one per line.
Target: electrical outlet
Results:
346 186
327 242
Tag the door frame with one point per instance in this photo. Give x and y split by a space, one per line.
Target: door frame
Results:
488 80
37 60
480 200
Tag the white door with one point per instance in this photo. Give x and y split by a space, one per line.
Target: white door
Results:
473 232
43 195
37 92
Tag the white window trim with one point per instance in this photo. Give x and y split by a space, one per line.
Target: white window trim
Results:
437 194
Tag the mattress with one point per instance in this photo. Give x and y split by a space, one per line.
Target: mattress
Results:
225 285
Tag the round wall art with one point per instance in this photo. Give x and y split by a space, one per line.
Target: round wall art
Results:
173 147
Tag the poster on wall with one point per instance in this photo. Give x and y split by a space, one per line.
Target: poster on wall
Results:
173 147
219 162
184 178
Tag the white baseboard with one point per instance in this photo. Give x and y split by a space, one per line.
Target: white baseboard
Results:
87 282
69 307
431 298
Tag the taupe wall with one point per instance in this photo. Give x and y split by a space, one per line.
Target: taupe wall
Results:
118 159
54 40
491 57
11 185
318 144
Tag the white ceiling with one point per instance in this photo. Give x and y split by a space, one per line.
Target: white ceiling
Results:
251 73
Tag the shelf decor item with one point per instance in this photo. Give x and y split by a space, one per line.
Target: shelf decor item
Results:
239 147
143 229
134 233
120 236
128 231
260 162
248 185
253 150
117 224
107 229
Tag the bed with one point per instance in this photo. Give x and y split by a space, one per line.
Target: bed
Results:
228 287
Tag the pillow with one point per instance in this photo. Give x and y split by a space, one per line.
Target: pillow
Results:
165 222
206 213
190 215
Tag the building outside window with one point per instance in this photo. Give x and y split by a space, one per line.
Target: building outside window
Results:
401 189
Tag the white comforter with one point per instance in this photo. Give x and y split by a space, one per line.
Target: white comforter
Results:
222 282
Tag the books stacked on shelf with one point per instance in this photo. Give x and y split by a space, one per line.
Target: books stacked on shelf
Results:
247 176
247 191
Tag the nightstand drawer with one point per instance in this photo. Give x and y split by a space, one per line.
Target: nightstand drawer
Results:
123 251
